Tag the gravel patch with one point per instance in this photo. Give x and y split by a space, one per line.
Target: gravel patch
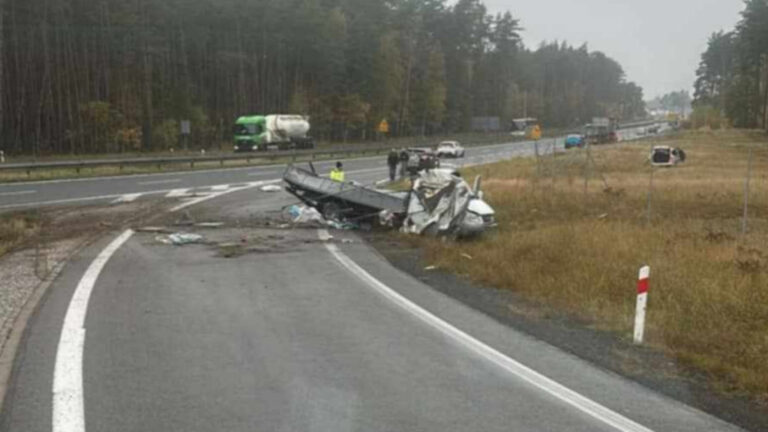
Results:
22 272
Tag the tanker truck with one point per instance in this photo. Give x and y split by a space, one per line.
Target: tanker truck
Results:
272 132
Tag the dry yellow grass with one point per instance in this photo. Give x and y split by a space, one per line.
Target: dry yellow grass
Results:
15 228
708 303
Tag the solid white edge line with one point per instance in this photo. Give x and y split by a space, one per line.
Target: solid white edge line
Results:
155 182
68 404
68 399
514 367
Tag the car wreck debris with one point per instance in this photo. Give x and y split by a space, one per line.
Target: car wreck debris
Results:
439 202
662 156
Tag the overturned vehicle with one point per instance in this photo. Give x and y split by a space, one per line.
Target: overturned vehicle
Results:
439 202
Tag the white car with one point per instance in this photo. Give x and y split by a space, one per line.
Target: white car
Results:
450 149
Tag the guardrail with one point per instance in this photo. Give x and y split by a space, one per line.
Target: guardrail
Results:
121 163
292 155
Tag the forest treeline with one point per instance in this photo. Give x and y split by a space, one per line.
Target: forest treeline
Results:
89 76
732 78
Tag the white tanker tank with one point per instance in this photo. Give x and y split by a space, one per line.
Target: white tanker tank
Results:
283 129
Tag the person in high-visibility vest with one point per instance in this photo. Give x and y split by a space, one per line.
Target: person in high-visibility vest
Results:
337 174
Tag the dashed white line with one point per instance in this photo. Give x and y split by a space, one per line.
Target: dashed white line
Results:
176 193
220 188
24 192
559 391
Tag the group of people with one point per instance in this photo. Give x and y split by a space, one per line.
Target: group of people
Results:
394 159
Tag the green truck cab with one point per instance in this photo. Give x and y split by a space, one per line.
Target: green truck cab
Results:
272 132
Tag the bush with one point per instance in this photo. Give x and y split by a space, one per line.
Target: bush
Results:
166 135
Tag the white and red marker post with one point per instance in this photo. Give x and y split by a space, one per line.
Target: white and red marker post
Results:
642 301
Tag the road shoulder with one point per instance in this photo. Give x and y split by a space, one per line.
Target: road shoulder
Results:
607 351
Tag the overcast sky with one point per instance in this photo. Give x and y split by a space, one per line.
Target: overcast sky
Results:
658 42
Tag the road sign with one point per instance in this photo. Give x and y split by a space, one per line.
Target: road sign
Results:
536 133
186 127
384 126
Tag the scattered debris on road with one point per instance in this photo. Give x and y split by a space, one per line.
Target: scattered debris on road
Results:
180 239
271 188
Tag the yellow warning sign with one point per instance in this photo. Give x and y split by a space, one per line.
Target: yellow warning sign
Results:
536 133
384 126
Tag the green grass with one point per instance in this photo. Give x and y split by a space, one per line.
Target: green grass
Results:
580 254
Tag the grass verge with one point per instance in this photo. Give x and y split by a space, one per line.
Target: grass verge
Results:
15 229
579 252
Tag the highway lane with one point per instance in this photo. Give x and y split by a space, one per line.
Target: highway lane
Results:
106 189
174 184
180 339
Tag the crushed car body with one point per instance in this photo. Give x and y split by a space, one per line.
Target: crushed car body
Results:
439 202
665 156
442 203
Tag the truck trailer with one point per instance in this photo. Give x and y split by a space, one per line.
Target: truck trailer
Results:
272 132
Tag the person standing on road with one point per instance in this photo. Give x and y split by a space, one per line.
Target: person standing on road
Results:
337 174
392 160
404 156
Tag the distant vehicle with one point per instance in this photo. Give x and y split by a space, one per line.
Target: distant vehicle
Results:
602 130
524 127
450 149
653 129
272 132
420 159
574 140
662 156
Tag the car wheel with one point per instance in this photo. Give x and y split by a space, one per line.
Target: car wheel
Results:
331 211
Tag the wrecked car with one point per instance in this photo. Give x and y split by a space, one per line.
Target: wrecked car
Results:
340 200
442 203
439 202
662 156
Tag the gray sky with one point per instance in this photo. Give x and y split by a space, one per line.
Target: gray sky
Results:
658 42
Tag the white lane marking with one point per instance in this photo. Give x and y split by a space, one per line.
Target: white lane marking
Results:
25 192
177 193
220 188
127 198
559 391
223 192
68 404
155 182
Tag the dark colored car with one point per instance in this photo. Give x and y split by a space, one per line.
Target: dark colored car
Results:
421 159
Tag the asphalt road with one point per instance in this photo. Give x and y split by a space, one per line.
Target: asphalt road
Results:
173 184
129 188
296 335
